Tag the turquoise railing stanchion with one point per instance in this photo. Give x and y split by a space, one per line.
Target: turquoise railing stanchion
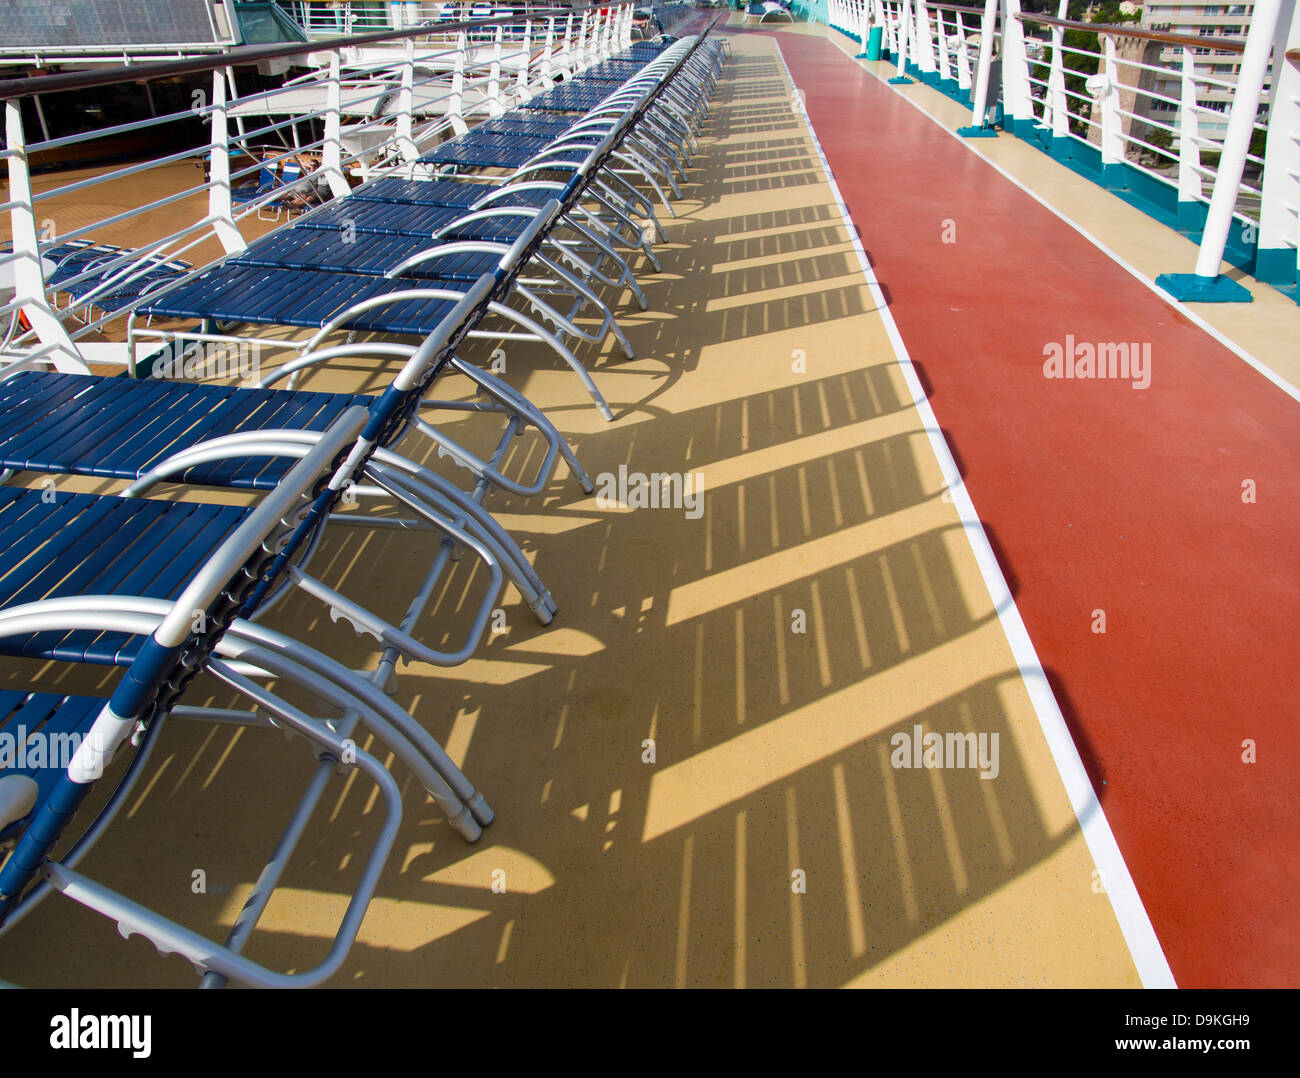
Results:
1206 284
874 36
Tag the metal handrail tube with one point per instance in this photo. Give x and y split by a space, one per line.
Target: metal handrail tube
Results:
119 129
1218 44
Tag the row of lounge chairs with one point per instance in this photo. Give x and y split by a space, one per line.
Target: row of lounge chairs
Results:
169 590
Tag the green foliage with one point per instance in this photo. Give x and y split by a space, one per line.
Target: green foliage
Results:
1078 67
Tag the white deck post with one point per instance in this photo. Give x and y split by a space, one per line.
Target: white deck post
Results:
221 207
331 161
1191 191
924 40
1112 129
548 51
1279 217
941 45
566 46
29 275
980 96
1206 284
456 102
406 105
1057 101
525 64
495 107
904 32
964 80
1017 101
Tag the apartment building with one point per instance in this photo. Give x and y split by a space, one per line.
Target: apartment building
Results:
1209 21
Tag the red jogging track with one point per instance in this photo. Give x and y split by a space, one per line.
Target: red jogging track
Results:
1099 496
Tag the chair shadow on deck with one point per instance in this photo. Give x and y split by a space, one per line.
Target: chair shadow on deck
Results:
696 767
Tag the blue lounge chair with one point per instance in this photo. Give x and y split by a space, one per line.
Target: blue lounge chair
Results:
196 629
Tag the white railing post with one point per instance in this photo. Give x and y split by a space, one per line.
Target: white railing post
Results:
580 51
495 107
1206 284
980 97
1241 126
1058 103
406 104
964 81
1017 101
1191 192
566 47
924 40
456 101
525 64
547 51
941 42
331 158
1279 217
904 33
28 271
221 207
1112 128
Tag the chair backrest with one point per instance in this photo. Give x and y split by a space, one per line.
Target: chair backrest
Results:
386 419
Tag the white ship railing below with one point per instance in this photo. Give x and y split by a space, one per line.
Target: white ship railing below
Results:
355 115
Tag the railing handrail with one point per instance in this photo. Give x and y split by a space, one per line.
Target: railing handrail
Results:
1123 29
958 8
247 54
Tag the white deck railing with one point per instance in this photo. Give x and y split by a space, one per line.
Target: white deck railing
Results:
1218 155
362 107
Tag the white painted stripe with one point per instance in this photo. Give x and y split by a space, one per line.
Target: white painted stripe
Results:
1227 342
1139 935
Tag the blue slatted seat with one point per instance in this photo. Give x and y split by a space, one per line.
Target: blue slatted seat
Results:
136 424
570 97
434 192
609 69
641 51
324 251
383 219
263 295
537 126
503 150
84 544
422 220
210 561
483 150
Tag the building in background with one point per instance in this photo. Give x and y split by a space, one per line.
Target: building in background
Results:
1194 18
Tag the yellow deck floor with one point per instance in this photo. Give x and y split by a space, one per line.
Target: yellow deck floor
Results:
771 842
